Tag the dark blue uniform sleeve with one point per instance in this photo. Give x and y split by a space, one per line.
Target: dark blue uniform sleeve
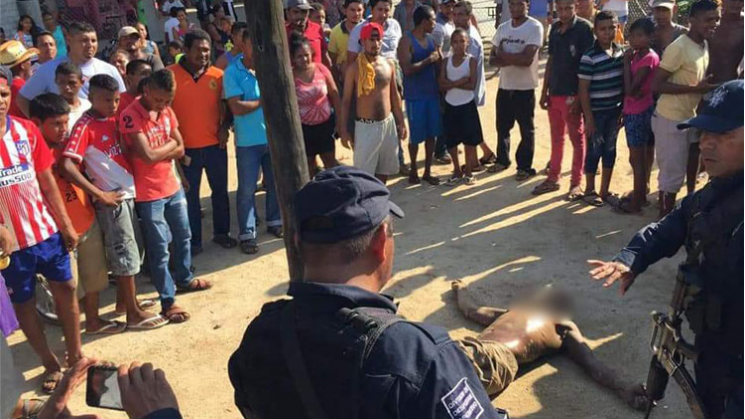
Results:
164 414
657 240
451 389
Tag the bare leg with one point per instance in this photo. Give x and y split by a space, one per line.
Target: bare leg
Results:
33 328
471 160
413 175
126 288
481 315
579 352
605 182
429 152
69 315
93 321
382 178
329 160
456 162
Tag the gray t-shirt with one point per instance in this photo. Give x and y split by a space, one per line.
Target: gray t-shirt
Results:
442 33
43 79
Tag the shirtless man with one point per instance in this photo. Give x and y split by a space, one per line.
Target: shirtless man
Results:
537 326
372 79
665 30
725 47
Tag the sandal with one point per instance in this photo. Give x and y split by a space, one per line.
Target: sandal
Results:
469 180
142 304
431 180
414 178
150 323
545 187
623 207
175 314
575 194
497 167
51 381
225 241
612 199
111 328
30 408
454 181
524 175
593 199
276 231
491 158
249 247
197 284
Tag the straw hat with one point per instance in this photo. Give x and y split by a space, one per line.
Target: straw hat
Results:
14 52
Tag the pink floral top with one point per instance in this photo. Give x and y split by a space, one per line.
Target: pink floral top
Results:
313 99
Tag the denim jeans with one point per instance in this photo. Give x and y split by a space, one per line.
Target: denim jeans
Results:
603 141
249 161
160 217
214 161
516 106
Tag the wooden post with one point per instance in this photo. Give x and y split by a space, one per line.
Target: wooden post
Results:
265 19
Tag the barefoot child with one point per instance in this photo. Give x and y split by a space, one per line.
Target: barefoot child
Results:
96 144
42 247
50 112
462 124
601 96
640 63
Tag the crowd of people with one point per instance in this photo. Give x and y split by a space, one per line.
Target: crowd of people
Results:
103 157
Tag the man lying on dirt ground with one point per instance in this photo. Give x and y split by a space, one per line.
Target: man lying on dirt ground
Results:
337 349
534 327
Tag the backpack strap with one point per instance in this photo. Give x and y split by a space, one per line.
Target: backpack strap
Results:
370 323
296 364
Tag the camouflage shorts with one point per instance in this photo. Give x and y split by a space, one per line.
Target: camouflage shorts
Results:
494 363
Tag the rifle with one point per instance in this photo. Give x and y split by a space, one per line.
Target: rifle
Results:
670 350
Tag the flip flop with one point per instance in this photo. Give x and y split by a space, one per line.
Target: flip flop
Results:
593 199
195 285
431 180
112 328
30 408
225 241
497 167
491 158
414 179
143 304
151 323
576 195
454 181
545 187
249 247
51 382
623 207
174 311
612 199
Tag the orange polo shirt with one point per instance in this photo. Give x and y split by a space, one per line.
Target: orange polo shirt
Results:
197 105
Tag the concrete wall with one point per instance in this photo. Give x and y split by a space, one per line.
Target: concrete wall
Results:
9 16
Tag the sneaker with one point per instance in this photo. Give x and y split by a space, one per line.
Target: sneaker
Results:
469 180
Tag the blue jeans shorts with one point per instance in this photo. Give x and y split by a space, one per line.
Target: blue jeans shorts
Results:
639 129
425 119
48 258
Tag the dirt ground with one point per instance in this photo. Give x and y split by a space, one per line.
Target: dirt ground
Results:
495 236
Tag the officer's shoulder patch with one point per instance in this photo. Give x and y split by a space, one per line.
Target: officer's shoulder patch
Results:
461 402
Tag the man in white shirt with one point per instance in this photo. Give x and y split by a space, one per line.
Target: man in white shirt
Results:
515 51
83 45
170 23
381 9
170 4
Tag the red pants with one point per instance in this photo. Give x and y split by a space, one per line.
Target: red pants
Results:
560 119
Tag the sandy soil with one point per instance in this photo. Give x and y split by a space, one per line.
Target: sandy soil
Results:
495 236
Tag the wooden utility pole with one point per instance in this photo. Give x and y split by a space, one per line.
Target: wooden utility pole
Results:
271 57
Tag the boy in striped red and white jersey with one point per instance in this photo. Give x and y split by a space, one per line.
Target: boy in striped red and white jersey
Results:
32 209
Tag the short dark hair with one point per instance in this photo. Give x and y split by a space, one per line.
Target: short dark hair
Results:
46 13
644 24
134 65
374 3
195 35
176 44
348 2
68 69
40 34
80 27
161 80
174 11
317 7
48 105
297 41
104 82
422 13
702 6
461 32
238 27
467 5
605 15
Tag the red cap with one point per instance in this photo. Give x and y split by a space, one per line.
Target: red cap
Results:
368 29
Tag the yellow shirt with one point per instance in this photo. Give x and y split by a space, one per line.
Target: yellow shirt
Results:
338 41
687 61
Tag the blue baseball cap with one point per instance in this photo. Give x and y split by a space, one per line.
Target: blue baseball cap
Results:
723 112
341 203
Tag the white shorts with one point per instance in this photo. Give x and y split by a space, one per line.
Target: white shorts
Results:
376 146
671 147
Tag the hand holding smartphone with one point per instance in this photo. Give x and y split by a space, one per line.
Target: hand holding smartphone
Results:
102 389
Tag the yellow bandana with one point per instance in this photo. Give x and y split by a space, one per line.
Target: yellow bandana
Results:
365 76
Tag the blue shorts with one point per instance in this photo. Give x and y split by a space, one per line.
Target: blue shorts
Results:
639 128
48 258
425 119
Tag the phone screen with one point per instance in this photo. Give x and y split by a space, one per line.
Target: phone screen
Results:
103 388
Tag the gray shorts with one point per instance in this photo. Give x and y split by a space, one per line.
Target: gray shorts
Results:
121 234
376 146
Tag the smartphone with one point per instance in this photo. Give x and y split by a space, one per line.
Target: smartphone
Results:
102 389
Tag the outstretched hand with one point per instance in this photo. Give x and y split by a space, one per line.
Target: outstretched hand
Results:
612 272
56 406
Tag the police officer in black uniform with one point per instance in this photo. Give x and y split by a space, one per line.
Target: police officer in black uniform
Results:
337 350
709 223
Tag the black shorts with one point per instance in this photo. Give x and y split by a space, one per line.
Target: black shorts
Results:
320 138
462 125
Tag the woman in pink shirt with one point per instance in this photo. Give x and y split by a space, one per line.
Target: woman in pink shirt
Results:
640 63
318 100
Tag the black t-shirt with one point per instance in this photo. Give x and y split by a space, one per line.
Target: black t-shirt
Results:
566 51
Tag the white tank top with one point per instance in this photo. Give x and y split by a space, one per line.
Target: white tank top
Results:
458 97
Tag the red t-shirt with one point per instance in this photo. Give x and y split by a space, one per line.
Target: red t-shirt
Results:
15 87
314 34
152 180
23 154
125 99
